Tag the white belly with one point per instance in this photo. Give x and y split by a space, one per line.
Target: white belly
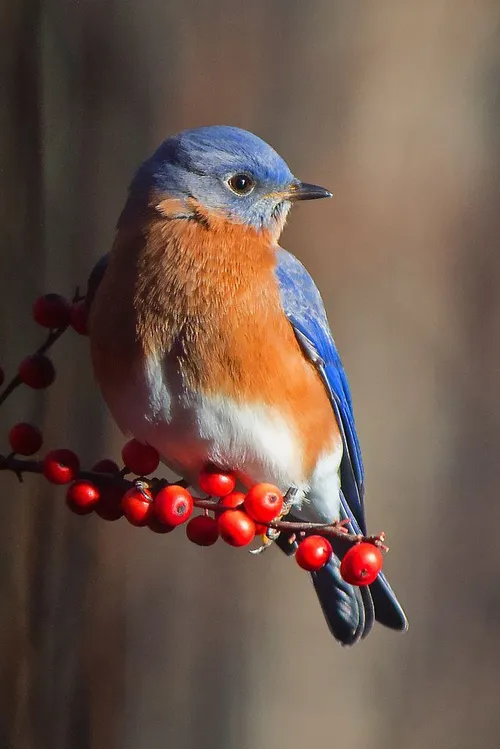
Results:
190 430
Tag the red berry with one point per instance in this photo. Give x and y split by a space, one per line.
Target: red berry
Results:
264 502
25 439
313 553
105 466
235 499
361 564
61 466
51 311
109 505
236 527
215 482
79 317
202 530
2 376
173 505
139 458
137 505
82 496
37 371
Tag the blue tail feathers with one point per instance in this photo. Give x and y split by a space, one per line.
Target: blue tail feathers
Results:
351 612
344 606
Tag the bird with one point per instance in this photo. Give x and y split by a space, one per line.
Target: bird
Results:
211 343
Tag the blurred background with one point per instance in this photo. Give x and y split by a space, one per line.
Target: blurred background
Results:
113 637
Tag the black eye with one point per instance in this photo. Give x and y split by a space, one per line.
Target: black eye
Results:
241 184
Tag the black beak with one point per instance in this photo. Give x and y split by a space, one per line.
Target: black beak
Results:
305 191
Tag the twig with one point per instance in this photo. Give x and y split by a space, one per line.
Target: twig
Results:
16 381
20 466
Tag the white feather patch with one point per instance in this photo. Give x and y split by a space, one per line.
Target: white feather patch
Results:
189 429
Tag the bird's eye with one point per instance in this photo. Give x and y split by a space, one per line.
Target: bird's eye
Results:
241 184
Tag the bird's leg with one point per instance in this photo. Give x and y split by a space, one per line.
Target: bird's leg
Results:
289 500
272 534
266 544
267 539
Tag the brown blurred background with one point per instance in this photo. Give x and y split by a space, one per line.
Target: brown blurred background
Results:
116 638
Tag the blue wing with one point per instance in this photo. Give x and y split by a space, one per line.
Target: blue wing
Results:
304 308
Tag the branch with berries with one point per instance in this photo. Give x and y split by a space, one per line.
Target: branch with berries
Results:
225 512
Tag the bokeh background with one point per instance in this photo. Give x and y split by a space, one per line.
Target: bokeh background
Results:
113 637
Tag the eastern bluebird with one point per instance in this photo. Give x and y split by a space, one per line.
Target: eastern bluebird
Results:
211 343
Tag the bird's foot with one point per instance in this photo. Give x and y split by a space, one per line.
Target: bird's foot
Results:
340 525
273 534
143 485
289 501
266 544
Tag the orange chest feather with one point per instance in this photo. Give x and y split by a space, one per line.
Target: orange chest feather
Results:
202 296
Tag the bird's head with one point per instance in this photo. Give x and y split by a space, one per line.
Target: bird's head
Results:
227 171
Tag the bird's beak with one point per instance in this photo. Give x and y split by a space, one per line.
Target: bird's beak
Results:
305 191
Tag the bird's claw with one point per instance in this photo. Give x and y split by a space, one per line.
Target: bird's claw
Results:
142 485
266 544
271 534
340 525
289 500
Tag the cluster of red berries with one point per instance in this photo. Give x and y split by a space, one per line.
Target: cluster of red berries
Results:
232 515
235 517
54 312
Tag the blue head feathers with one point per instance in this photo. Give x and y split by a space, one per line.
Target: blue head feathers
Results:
227 170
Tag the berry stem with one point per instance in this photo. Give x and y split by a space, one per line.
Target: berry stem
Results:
51 338
8 389
22 465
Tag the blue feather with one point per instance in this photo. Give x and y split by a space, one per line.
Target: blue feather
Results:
304 308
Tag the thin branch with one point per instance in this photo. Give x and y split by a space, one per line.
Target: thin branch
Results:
20 466
16 381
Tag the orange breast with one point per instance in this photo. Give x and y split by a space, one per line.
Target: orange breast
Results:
201 292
